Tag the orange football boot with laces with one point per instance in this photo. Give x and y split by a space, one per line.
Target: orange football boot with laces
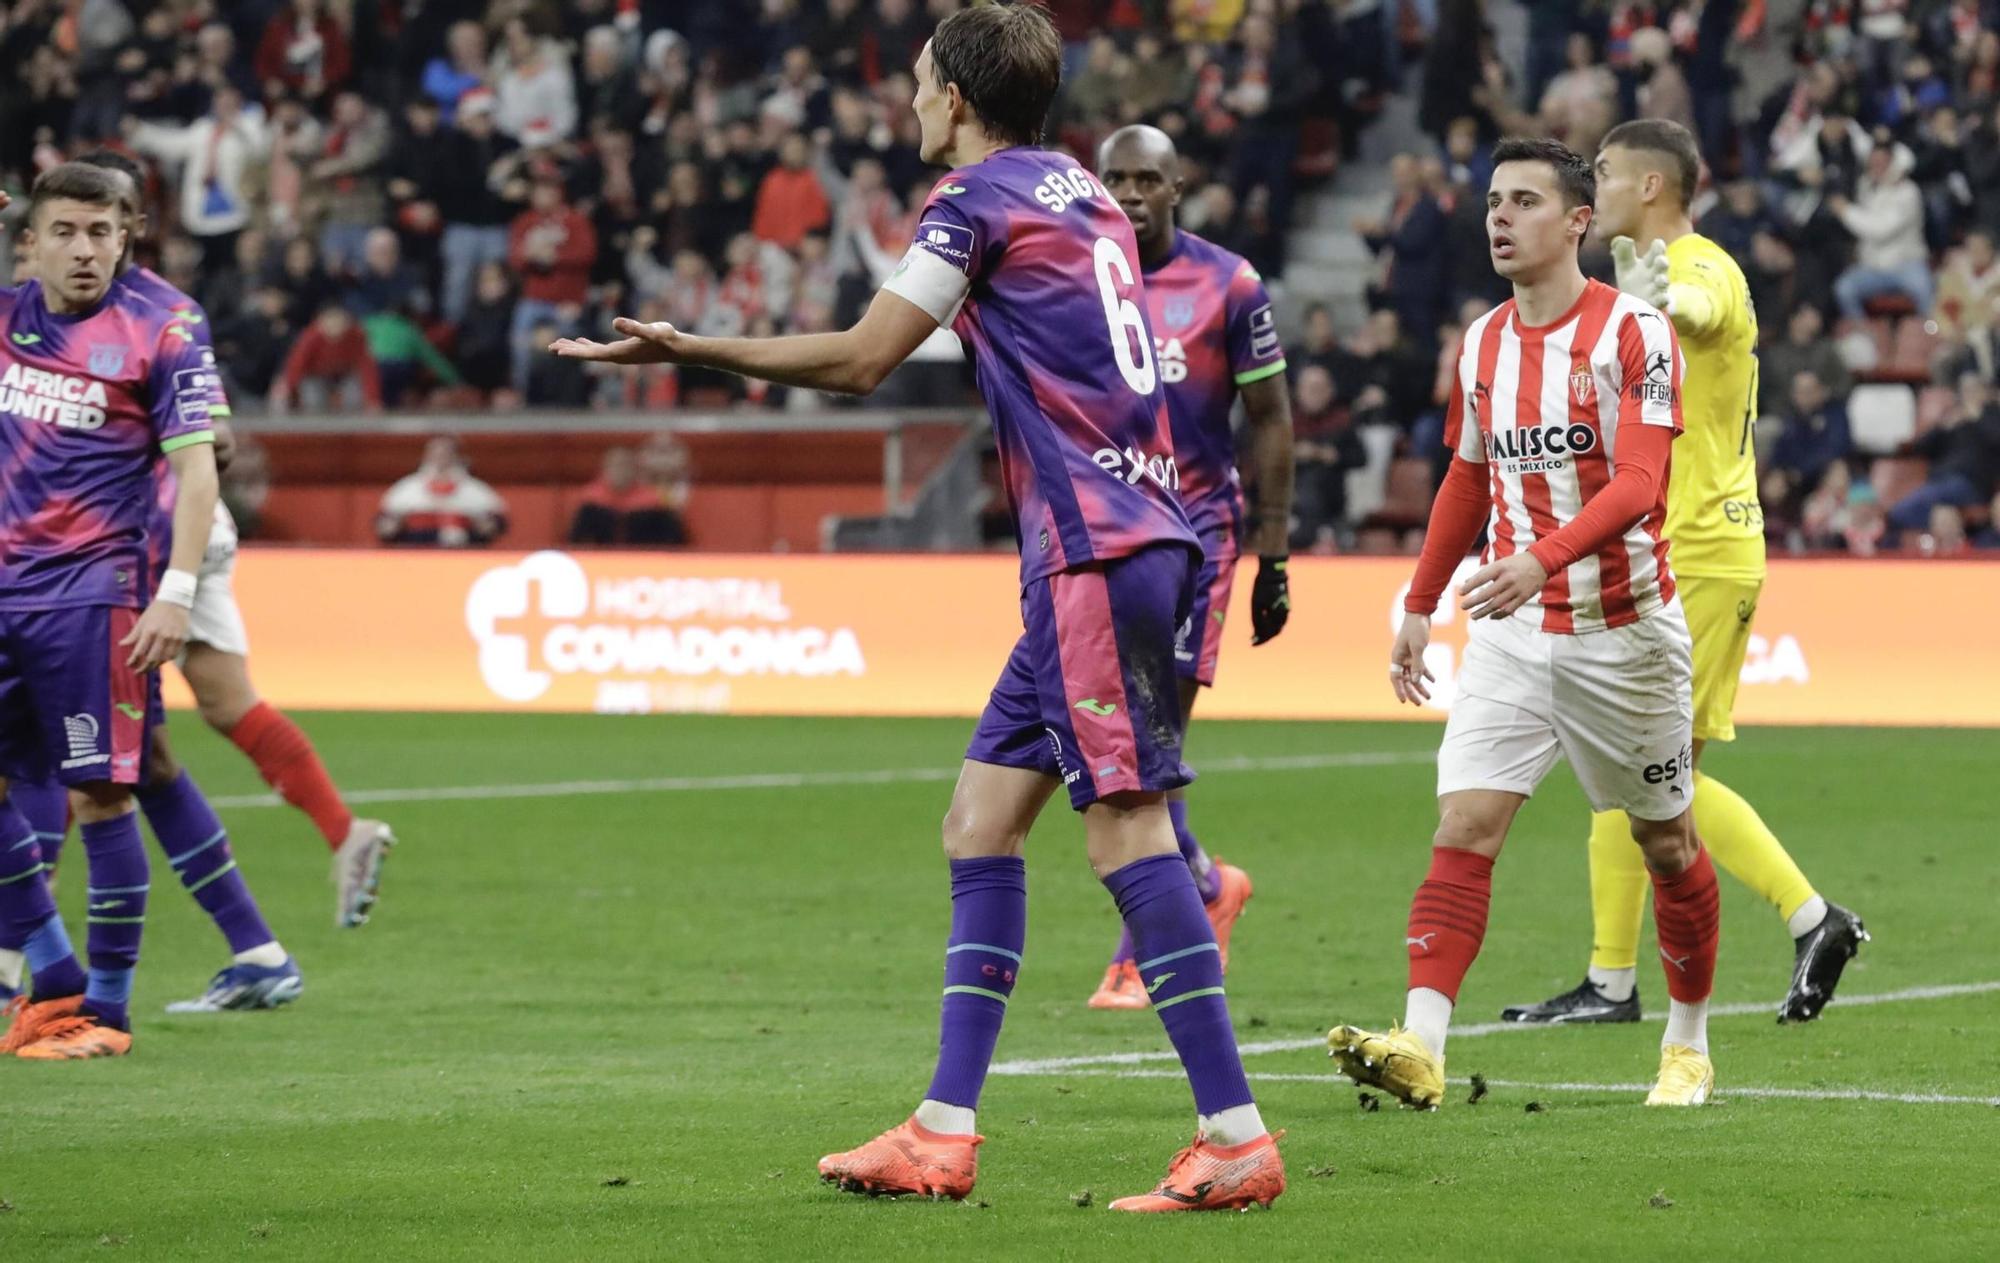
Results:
31 1021
908 1159
1228 904
1207 1176
77 1038
1121 988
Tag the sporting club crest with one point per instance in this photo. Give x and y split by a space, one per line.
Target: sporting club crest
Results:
1179 312
1583 384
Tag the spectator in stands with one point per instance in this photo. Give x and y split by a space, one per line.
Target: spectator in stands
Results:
791 202
475 207
665 464
1982 167
344 185
621 507
551 247
1268 84
404 359
306 285
329 367
1840 514
1412 246
486 336
1969 305
305 50
385 282
532 81
1663 89
1778 283
1735 223
212 157
251 341
1815 436
1803 348
610 89
410 178
1945 536
1581 103
1964 452
462 68
1886 216
1990 536
1941 174
1318 344
1325 449
442 504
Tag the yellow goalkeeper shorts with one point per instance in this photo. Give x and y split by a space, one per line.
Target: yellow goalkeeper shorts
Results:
1719 613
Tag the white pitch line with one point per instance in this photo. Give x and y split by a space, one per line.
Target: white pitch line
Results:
1721 1092
1055 1065
801 780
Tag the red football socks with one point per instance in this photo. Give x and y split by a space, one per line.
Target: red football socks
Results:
1687 912
285 758
1448 919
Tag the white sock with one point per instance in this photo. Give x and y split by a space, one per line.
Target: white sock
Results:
1687 1024
1807 918
946 1120
1428 1013
270 955
1233 1126
12 965
1614 984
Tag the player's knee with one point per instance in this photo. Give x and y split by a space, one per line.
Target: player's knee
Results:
1669 845
97 801
970 833
1468 827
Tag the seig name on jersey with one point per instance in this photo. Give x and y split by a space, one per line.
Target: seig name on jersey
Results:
1059 190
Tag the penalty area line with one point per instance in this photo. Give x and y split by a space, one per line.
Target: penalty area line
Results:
1060 1065
803 780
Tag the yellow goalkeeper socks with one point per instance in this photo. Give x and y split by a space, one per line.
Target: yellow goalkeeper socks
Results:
1619 886
1746 848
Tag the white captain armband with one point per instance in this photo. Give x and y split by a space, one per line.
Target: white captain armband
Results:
936 274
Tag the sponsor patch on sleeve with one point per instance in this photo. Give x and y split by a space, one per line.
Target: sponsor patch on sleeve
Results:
1263 333
948 241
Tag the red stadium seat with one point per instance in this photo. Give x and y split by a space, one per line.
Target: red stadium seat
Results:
1916 342
1934 404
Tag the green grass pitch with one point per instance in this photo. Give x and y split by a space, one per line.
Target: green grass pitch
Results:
630 1020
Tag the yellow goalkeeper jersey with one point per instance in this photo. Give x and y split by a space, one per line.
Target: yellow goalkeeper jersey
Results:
1713 518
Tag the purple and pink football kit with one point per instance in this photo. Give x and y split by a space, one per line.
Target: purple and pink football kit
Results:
87 404
1214 332
1027 258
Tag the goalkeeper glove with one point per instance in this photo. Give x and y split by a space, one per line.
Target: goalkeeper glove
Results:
1642 275
1270 599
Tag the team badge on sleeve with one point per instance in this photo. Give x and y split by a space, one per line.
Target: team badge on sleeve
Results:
948 241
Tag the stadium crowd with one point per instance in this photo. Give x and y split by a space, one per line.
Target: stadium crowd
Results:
399 205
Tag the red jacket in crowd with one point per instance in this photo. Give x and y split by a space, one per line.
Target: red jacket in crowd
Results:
565 278
316 355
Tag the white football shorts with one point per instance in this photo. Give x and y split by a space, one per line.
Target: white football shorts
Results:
1618 704
215 620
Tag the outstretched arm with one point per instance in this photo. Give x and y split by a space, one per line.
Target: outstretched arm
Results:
853 362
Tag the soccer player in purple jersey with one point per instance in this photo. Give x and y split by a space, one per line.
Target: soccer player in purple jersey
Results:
262 974
1026 257
94 386
1214 339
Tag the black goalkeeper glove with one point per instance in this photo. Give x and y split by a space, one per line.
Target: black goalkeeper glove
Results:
1270 599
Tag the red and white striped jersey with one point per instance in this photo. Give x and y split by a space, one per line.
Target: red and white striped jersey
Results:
1545 405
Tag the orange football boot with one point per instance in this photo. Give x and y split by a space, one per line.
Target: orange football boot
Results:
31 1021
907 1159
77 1038
1207 1176
1228 905
1121 988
